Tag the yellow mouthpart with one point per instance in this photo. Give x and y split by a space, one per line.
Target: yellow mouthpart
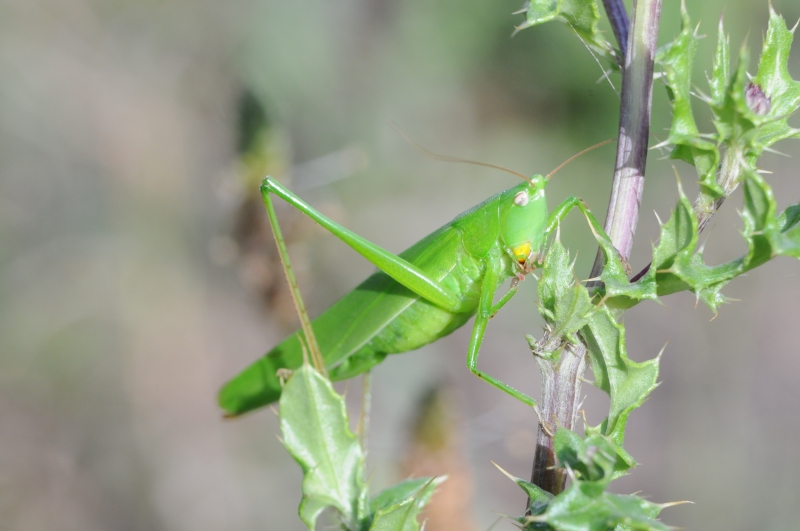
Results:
522 251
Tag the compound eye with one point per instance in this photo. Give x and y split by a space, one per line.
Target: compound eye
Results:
521 199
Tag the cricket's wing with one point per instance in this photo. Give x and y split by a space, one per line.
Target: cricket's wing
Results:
377 318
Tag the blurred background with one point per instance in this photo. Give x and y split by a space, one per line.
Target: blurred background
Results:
136 275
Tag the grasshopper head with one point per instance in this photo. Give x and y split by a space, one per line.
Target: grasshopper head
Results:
523 216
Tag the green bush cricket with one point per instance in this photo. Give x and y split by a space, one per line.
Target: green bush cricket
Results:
420 295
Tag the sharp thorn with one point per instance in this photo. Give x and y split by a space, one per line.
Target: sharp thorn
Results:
678 177
665 143
775 151
672 504
505 473
698 93
521 10
662 350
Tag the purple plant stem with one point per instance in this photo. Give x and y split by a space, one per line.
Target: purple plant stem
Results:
618 17
561 395
634 130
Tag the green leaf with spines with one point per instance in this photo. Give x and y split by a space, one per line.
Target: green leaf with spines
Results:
722 65
404 490
749 116
581 508
677 58
754 115
316 433
677 265
556 280
735 122
595 459
789 218
626 382
397 508
581 16
564 304
774 79
572 313
745 126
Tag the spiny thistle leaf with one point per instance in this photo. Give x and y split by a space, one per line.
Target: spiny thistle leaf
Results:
581 508
557 278
749 116
316 433
782 92
626 382
734 119
722 65
581 16
678 266
595 460
397 508
565 305
400 492
572 312
677 58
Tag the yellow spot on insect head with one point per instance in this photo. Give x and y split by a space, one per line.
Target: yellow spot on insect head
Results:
521 251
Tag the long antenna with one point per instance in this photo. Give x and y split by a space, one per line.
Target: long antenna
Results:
447 158
573 157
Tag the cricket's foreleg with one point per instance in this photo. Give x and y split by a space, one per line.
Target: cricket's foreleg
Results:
400 270
485 311
505 298
563 209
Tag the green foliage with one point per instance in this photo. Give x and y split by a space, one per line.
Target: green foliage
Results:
582 17
317 434
585 506
581 508
676 59
594 459
564 303
677 266
397 508
749 116
627 382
